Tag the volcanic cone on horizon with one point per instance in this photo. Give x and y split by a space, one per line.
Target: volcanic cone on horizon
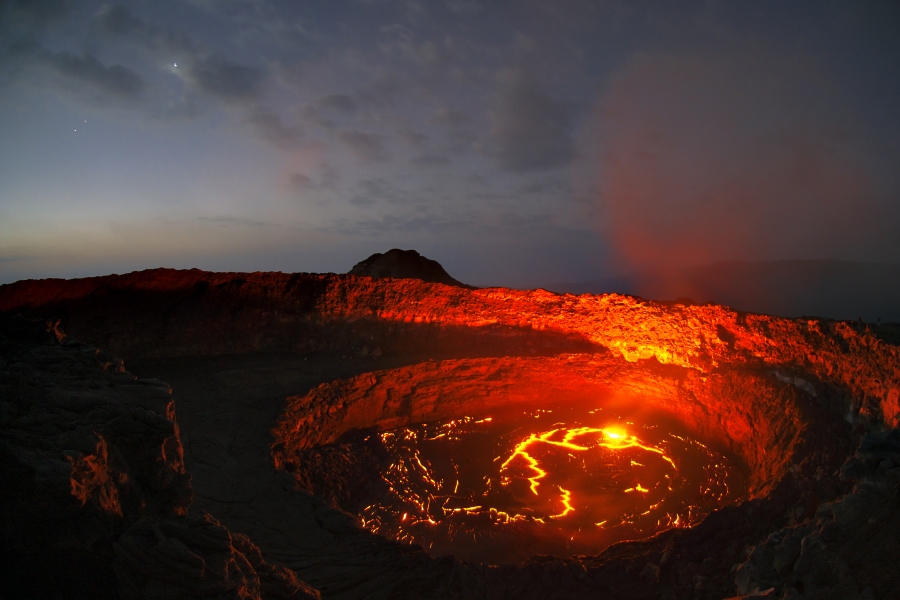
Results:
404 264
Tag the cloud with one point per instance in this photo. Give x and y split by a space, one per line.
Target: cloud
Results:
432 225
589 15
384 90
370 191
430 160
366 147
449 117
325 109
272 129
117 20
414 138
210 73
29 15
464 7
458 129
226 80
743 155
115 80
301 181
184 108
326 176
232 221
546 185
339 102
530 129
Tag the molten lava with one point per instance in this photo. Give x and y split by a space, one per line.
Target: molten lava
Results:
612 439
560 481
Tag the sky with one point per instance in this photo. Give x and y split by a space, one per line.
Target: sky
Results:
518 143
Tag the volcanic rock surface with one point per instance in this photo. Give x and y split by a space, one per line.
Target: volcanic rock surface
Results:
95 501
404 264
795 398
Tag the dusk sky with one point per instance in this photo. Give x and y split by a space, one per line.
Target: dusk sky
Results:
517 143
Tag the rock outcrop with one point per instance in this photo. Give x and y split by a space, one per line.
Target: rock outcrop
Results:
848 548
196 557
403 264
95 500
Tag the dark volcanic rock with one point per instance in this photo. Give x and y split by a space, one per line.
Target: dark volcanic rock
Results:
95 495
848 549
194 557
404 264
844 377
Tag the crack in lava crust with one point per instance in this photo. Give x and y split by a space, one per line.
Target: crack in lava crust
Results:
565 487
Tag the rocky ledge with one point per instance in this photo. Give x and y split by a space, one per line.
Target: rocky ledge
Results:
404 264
96 500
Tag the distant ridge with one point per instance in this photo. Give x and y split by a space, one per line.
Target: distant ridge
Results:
835 289
404 264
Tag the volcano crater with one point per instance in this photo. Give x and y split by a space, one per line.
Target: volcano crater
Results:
291 391
393 448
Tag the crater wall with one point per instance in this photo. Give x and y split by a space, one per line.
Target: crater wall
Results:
756 417
165 312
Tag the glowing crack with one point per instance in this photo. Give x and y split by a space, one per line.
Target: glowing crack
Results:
610 438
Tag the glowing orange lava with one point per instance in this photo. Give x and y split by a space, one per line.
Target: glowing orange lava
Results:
506 487
610 438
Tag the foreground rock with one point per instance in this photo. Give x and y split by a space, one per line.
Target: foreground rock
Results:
848 548
96 497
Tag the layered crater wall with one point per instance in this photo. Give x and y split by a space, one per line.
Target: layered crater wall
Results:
165 312
758 418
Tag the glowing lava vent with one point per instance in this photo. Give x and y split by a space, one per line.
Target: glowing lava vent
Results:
497 460
550 481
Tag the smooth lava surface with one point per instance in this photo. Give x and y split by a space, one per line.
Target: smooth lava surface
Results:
561 481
